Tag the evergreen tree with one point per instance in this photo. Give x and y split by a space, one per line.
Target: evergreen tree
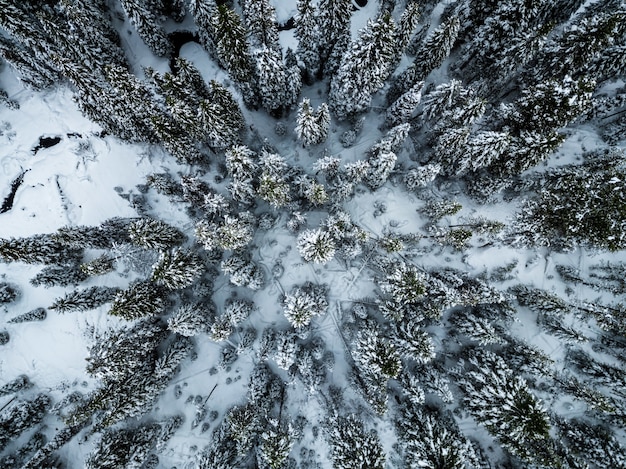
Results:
84 300
260 19
273 185
550 105
364 68
57 275
272 79
8 292
376 356
402 108
99 266
189 320
316 246
431 442
303 303
38 314
243 169
154 234
501 401
575 49
145 22
312 125
334 20
177 269
21 416
234 233
140 299
408 23
420 177
276 443
354 448
37 249
18 384
308 33
232 49
430 56
243 272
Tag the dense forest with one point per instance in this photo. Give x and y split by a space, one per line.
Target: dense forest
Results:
382 234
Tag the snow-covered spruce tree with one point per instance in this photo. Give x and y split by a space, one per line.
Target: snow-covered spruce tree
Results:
38 249
177 269
418 178
21 416
132 447
84 300
312 124
235 313
275 444
402 108
303 303
316 246
18 384
260 19
241 165
412 342
431 442
352 447
58 275
99 266
273 184
577 204
376 355
275 81
140 299
233 233
593 443
429 57
502 401
382 156
189 320
143 18
233 51
38 314
334 21
308 34
364 68
243 272
8 292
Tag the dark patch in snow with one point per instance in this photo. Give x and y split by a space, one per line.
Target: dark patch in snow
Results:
7 204
360 3
46 142
290 24
178 40
74 135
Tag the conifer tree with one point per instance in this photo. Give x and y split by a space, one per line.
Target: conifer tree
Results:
38 314
501 401
260 19
177 269
308 33
312 125
18 384
154 234
303 303
84 300
139 300
37 249
232 49
272 79
145 22
273 185
316 246
243 272
364 68
430 56
402 108
243 169
189 320
334 18
20 416
276 443
354 448
8 292
233 233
